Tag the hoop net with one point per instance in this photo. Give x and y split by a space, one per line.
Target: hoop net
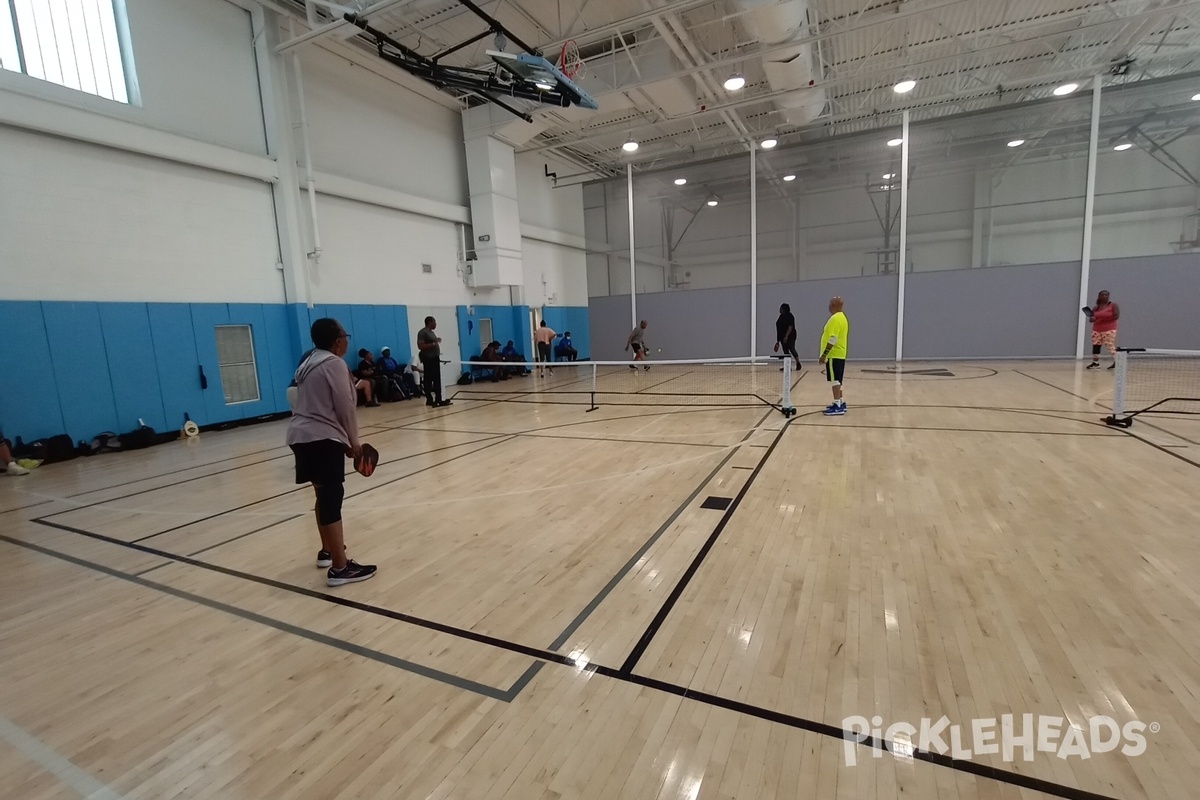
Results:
569 62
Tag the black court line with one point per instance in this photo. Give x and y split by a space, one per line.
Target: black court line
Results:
348 497
644 642
737 706
991 373
29 505
182 469
227 541
735 466
532 433
836 425
293 490
279 625
164 486
621 573
1126 431
660 383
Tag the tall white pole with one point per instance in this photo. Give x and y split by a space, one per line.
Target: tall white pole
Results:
632 265
1089 207
902 261
753 251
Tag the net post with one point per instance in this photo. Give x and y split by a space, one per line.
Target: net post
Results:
593 405
785 404
1120 381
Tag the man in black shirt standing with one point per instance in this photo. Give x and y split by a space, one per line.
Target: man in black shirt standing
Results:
430 351
785 334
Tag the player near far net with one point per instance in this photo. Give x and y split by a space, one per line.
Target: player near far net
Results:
785 334
637 340
833 354
1103 316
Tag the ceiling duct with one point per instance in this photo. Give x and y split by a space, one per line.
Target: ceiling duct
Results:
772 22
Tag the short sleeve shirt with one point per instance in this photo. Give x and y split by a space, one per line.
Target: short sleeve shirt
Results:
639 335
428 336
784 322
544 335
837 326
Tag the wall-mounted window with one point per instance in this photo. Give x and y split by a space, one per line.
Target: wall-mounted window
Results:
235 356
80 44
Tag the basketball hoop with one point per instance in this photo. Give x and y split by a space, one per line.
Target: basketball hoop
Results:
569 62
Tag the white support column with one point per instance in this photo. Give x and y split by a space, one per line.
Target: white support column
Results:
754 250
632 259
277 122
902 261
1089 207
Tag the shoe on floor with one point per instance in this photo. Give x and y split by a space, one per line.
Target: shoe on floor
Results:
443 404
351 573
16 469
1112 365
1094 365
324 559
834 411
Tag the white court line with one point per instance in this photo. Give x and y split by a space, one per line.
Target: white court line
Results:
60 767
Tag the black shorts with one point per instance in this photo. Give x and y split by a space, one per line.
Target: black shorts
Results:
320 463
637 348
543 351
835 369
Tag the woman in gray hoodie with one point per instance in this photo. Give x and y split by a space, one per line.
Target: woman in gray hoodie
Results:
322 433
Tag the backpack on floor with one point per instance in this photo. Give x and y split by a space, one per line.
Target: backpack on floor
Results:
464 379
53 450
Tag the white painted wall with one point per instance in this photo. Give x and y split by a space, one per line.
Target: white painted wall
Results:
374 254
89 222
555 271
365 127
82 222
194 62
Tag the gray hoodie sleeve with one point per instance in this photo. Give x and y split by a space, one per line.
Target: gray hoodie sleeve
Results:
345 397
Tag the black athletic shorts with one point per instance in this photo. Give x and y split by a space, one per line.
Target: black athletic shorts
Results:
320 463
543 351
835 369
637 348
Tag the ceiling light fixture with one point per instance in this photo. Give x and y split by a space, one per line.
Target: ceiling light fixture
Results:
767 144
889 176
712 201
544 85
789 177
1016 143
895 142
905 86
680 181
734 82
1065 89
1196 97
1123 146
630 145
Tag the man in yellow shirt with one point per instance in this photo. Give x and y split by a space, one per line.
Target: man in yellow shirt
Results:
833 354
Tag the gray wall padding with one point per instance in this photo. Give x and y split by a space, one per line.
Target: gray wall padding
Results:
992 312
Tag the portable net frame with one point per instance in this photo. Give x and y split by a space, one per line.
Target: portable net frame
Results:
719 383
1155 382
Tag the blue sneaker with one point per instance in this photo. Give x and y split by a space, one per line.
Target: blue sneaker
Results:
834 410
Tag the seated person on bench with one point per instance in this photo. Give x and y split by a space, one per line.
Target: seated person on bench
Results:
491 355
509 353
367 378
393 373
565 348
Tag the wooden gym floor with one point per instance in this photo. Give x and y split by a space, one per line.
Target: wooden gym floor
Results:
557 615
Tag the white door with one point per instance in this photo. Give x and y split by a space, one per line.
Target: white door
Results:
535 320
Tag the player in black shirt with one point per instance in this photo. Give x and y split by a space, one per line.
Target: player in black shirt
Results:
785 333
